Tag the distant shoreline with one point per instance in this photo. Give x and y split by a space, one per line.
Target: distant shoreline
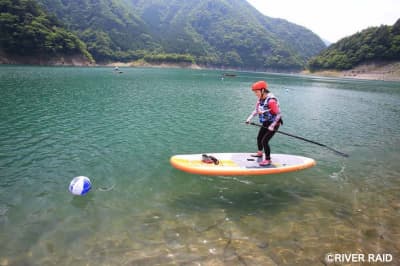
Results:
142 63
371 71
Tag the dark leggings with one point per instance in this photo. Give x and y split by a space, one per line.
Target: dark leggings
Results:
263 138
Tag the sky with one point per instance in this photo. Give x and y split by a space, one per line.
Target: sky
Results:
332 20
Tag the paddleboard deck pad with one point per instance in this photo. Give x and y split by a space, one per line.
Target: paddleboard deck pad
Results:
228 164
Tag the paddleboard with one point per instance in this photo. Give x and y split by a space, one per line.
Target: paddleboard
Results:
228 164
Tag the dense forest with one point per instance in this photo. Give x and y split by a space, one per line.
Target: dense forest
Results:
372 44
214 33
25 29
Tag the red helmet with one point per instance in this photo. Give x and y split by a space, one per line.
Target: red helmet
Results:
259 85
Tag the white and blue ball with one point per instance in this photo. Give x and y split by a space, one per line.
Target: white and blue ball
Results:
80 185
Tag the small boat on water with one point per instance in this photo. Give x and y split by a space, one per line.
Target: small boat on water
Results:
229 75
116 70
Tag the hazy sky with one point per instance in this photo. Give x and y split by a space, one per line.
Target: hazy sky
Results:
332 19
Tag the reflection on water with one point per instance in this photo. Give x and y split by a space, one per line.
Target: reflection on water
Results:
57 123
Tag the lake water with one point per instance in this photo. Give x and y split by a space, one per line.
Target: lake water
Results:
121 129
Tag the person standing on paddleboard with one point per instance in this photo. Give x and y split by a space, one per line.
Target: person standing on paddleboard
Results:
267 108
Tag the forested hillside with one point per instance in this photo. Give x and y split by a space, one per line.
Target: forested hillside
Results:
25 29
227 33
372 44
110 30
215 33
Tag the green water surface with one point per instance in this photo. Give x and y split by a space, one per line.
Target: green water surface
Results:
120 130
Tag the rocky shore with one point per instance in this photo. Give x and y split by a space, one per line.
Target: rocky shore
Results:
371 71
45 60
142 63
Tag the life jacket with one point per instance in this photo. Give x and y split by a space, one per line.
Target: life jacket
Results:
262 106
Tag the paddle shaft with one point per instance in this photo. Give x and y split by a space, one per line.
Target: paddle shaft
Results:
304 139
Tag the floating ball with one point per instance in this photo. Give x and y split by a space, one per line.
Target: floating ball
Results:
80 185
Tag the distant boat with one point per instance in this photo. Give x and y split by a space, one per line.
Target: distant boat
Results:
229 75
116 70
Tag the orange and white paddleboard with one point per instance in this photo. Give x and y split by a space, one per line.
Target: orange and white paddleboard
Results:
228 164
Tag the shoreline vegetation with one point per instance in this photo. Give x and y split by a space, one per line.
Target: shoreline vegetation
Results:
384 71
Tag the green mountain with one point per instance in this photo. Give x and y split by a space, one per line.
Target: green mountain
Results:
218 33
227 33
372 44
26 30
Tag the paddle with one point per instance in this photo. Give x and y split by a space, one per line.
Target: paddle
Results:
311 141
